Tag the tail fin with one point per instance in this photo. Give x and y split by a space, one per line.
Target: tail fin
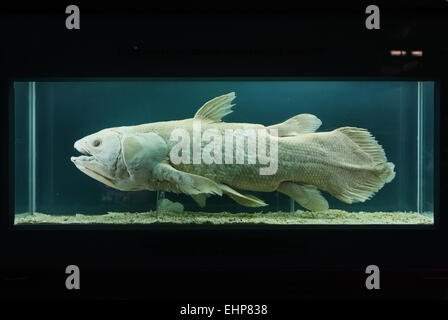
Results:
361 184
389 173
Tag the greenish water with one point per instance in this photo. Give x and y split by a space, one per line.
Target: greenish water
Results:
395 112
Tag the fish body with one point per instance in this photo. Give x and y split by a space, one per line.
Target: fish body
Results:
207 156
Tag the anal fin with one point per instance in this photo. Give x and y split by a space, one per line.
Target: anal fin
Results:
305 195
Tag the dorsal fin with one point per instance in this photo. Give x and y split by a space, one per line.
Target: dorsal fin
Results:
216 108
302 123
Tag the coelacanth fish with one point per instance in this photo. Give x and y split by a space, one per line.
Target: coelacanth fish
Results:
347 162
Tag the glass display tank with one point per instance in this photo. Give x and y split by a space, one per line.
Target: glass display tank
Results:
223 151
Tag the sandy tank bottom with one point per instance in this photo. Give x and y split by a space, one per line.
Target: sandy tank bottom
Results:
188 217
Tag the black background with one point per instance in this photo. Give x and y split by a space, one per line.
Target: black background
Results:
201 39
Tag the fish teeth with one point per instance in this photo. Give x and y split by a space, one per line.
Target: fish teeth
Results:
82 158
80 148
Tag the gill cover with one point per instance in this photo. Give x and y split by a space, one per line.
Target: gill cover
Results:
141 153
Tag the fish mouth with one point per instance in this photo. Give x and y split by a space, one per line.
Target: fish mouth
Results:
85 163
80 163
80 148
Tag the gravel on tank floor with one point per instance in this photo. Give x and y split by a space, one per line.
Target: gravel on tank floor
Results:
278 218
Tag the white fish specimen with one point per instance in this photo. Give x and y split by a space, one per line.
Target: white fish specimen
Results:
347 162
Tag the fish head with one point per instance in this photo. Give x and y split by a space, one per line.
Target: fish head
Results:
121 158
101 152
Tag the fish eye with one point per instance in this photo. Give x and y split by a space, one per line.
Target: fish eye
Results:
96 143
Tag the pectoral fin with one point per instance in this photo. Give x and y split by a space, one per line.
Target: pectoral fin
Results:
200 199
246 200
181 182
141 152
307 196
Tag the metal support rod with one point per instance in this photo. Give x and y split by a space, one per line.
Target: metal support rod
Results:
420 137
160 196
276 202
291 206
32 147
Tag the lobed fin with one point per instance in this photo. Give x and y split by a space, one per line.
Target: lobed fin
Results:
246 200
307 196
300 124
200 199
183 182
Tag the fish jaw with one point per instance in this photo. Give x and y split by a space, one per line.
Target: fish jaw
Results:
89 166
